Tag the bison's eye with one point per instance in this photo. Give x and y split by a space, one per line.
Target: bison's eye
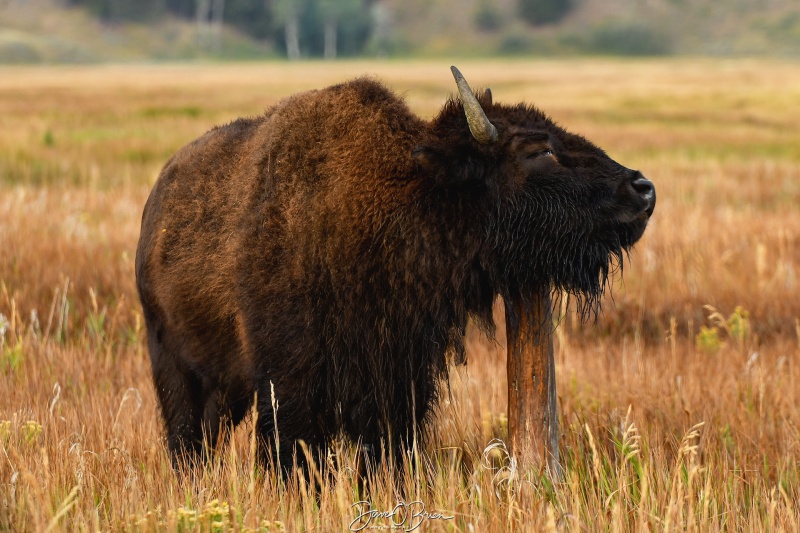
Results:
540 153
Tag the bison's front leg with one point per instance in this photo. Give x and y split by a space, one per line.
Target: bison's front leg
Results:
389 426
289 436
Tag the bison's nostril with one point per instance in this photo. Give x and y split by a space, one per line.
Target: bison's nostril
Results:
643 186
647 190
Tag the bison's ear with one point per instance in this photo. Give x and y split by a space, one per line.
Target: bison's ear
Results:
426 156
446 169
434 165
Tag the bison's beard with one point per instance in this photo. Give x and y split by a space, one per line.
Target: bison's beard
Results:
587 276
576 265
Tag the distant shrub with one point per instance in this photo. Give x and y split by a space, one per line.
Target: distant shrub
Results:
515 43
541 12
627 40
18 52
782 31
528 44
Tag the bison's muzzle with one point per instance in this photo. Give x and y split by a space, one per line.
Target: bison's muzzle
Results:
636 198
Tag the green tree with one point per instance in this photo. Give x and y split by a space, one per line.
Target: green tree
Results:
487 16
253 17
123 10
287 14
338 16
181 8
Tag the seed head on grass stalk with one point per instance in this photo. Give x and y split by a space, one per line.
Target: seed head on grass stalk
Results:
595 456
685 465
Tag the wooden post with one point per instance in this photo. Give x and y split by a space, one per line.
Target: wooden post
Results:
532 411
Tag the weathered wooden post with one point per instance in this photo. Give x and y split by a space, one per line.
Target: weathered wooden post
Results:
532 411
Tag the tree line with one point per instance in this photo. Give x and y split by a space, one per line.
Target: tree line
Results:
296 27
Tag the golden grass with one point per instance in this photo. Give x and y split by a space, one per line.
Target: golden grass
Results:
673 415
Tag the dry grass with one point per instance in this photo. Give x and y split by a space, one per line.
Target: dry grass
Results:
673 415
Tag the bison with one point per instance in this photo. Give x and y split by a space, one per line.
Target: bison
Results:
324 258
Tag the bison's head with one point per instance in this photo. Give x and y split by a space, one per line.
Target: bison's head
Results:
554 209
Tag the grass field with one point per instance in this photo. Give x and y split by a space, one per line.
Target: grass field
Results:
679 406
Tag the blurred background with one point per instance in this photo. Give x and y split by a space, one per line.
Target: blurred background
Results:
70 31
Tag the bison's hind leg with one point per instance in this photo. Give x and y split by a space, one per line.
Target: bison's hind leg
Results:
197 415
180 395
190 406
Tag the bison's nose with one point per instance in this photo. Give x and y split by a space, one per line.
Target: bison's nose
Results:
647 190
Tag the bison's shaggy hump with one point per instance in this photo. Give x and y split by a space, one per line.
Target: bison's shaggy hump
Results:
332 249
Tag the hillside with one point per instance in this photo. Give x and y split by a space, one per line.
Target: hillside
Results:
50 31
47 31
611 27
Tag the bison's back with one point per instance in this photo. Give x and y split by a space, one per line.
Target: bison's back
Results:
295 190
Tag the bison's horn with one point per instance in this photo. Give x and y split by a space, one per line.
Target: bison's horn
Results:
483 130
